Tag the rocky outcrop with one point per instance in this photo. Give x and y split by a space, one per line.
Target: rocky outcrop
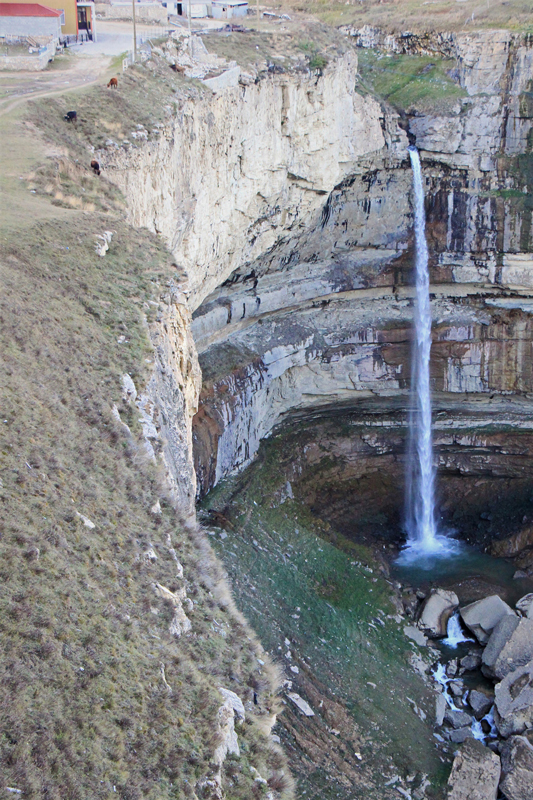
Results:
514 701
234 173
510 646
170 398
517 769
475 773
482 616
436 611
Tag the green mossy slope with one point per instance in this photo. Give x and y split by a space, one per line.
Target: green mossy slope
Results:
313 594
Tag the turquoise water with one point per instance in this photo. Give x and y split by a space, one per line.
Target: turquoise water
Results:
469 572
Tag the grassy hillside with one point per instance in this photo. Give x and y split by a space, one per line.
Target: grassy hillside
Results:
409 83
417 15
98 699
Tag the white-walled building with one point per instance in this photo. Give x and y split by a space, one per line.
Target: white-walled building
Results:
30 19
229 9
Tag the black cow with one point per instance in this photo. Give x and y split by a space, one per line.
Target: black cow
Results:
96 166
71 116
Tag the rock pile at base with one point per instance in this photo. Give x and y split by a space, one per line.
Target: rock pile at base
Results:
494 727
475 773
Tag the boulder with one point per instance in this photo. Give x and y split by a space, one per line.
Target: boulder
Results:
480 703
475 773
440 709
457 719
470 662
452 668
482 616
513 544
456 688
415 635
510 646
436 611
525 606
459 735
514 701
517 769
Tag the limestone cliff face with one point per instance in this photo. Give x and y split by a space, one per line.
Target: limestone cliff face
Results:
287 203
173 390
230 177
326 319
234 173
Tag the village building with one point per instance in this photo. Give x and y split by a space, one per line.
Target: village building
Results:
23 20
77 21
198 10
228 9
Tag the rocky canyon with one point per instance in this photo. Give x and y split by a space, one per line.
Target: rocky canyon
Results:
229 616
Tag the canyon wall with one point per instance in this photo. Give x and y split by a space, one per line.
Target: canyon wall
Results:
286 202
327 320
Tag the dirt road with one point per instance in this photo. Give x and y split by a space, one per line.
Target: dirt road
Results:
69 72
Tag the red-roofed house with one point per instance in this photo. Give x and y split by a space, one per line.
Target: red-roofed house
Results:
30 19
78 21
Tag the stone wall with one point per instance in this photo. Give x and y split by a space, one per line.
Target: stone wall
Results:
144 12
33 62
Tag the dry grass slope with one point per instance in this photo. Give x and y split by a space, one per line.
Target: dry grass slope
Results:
417 15
98 699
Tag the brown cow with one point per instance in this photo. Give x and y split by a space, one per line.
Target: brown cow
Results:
113 83
95 166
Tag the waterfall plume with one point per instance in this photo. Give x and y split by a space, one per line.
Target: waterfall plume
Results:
422 535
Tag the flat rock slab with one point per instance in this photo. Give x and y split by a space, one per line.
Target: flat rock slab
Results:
475 773
514 701
416 635
482 616
517 769
457 718
436 611
510 646
301 704
460 735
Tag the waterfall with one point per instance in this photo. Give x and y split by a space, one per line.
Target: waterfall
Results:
422 535
455 634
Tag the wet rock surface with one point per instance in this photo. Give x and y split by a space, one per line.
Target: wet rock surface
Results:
482 616
436 611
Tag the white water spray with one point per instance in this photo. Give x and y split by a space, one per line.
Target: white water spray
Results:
455 634
422 536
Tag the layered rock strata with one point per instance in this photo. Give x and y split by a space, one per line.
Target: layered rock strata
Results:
327 319
287 203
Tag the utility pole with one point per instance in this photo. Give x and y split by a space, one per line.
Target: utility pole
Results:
134 31
258 16
189 21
